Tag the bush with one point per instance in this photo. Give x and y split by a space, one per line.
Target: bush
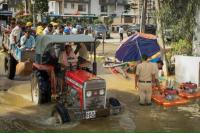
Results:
98 21
182 47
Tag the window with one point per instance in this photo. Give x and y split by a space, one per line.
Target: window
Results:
72 5
82 8
65 4
52 4
104 9
102 1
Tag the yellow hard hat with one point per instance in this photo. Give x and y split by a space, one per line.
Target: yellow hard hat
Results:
29 24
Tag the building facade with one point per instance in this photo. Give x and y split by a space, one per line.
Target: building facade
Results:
136 10
87 7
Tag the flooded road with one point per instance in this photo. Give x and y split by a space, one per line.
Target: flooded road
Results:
18 113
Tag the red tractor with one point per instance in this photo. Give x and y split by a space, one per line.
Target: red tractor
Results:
83 95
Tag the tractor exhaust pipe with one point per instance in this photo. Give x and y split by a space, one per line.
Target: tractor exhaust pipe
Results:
94 62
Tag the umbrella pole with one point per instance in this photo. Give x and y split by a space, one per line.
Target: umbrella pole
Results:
139 50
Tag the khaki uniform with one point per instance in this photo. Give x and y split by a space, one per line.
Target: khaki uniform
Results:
145 70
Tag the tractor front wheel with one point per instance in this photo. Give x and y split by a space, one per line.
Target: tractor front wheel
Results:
60 114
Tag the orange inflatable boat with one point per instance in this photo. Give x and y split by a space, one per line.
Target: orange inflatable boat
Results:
189 90
169 97
161 99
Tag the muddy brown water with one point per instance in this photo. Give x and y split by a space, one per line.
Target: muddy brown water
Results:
17 112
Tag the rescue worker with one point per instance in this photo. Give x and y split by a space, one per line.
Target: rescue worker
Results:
27 41
55 28
74 30
48 30
15 36
58 47
83 54
145 77
121 32
60 30
29 27
39 29
158 66
68 28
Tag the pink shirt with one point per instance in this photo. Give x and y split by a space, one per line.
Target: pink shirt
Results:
64 59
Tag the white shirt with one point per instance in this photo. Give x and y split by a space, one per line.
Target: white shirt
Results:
46 31
74 31
15 32
83 52
121 30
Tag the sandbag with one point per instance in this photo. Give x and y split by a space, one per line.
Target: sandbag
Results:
24 68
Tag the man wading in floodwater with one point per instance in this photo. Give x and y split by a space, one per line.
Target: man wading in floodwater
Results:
145 77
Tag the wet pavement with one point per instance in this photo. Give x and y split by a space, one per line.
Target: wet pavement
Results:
18 113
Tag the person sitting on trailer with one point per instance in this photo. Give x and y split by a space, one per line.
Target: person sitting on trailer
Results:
27 41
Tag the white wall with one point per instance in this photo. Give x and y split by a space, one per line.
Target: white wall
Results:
95 7
69 10
120 10
53 7
187 69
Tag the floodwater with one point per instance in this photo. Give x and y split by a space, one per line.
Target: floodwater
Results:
17 112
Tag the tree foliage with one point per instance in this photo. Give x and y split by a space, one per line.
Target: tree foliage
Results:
179 15
182 47
41 6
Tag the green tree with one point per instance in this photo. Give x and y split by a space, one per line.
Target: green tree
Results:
179 15
20 6
108 21
41 6
98 21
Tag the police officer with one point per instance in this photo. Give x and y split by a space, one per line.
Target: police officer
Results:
145 77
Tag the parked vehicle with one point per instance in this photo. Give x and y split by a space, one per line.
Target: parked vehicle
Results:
101 30
149 29
84 95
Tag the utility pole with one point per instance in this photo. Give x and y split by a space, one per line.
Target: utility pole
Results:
25 5
143 16
33 2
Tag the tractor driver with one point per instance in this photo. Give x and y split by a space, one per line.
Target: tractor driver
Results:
66 59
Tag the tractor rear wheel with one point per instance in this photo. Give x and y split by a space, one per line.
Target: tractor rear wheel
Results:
61 114
40 87
10 66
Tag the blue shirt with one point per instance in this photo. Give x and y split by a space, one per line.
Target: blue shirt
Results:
27 43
